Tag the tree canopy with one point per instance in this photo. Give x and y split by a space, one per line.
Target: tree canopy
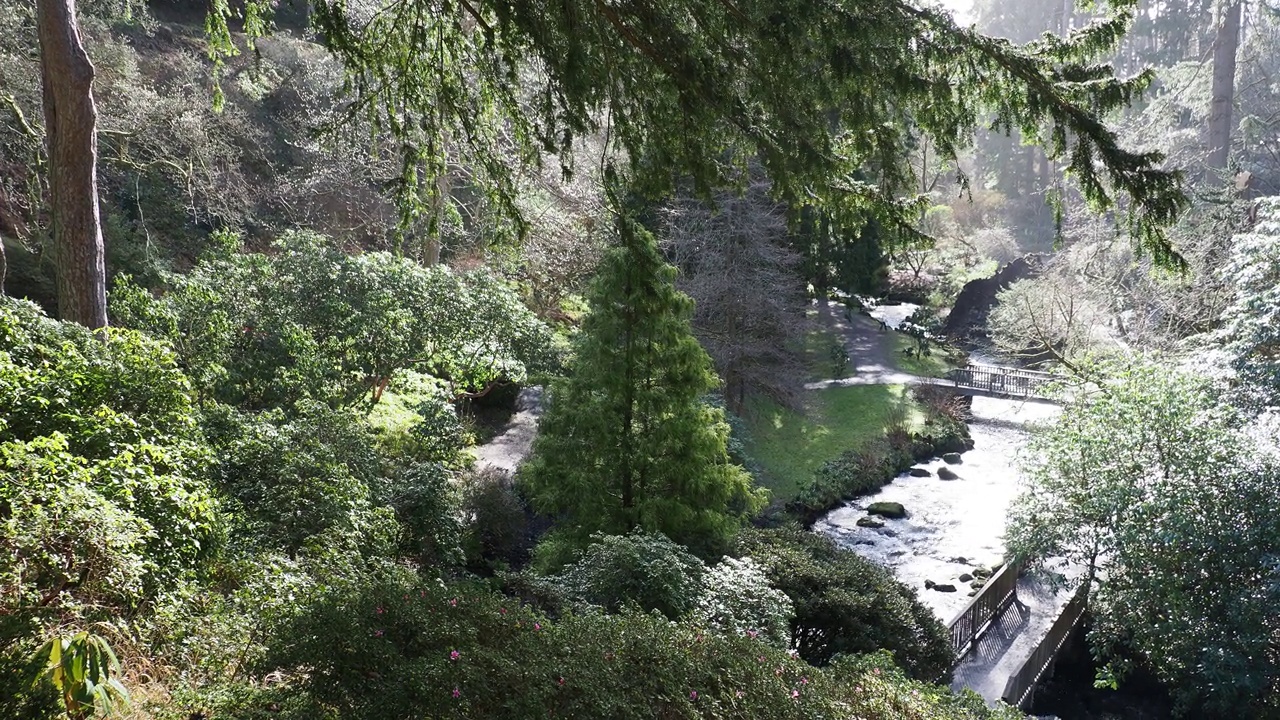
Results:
821 93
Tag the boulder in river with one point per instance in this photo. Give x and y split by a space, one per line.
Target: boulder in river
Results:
965 577
981 572
978 584
947 473
952 458
919 472
959 560
870 521
928 584
891 510
944 587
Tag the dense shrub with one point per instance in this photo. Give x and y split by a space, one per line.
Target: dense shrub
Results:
641 569
259 330
496 521
426 503
291 478
737 599
845 604
102 498
398 648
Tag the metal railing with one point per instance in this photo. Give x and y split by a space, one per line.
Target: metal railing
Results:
1019 687
1000 380
986 606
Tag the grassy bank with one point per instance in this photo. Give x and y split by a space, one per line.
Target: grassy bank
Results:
790 446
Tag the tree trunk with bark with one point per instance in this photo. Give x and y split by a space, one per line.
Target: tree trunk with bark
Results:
71 136
1225 43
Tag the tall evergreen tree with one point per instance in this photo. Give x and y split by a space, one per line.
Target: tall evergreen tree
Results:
627 440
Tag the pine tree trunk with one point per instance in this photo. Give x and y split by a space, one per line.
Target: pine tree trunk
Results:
1224 79
71 135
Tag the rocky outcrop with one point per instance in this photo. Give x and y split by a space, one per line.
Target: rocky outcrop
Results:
967 323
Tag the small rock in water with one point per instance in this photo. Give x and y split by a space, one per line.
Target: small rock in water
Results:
968 443
977 584
919 472
965 577
870 521
891 510
864 541
928 584
897 553
959 560
944 587
888 532
947 473
981 572
951 458
972 593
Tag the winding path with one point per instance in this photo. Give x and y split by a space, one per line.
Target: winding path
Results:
512 445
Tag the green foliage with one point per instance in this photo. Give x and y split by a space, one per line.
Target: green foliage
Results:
699 88
1151 487
83 668
845 604
854 472
310 321
393 647
101 467
291 479
496 529
737 599
1251 331
628 441
427 506
645 570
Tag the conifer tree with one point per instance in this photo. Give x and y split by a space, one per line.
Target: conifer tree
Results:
627 441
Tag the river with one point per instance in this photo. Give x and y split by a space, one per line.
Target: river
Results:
952 526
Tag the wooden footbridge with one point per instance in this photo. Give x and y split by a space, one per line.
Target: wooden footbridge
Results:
976 379
1008 638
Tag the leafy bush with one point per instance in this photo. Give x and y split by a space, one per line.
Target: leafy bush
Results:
394 647
845 604
101 467
293 478
737 599
641 569
496 527
310 321
855 471
426 503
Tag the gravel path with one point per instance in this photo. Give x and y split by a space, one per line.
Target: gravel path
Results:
511 446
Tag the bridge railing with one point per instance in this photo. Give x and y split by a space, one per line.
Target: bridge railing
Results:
1000 380
986 606
1019 687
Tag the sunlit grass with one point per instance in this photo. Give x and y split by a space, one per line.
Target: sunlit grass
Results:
790 446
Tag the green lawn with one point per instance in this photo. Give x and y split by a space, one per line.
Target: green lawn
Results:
942 360
790 446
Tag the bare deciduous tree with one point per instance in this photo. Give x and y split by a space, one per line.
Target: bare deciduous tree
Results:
735 264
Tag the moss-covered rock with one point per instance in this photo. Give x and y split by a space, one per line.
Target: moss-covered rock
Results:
891 510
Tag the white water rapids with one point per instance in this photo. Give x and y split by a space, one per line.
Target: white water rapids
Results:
947 519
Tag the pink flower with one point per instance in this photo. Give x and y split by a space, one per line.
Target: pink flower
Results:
455 655
456 693
561 681
378 611
875 671
537 626
804 681
422 593
377 633
502 611
753 634
761 658
795 694
693 694
453 602
739 694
